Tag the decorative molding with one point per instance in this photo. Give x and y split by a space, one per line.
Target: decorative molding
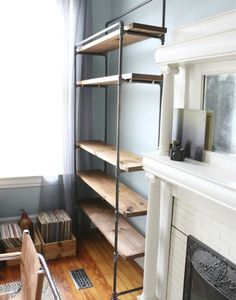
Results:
214 48
167 108
168 69
150 177
212 267
211 39
9 183
209 26
200 178
32 181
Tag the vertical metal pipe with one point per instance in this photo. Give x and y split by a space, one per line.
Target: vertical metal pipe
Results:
74 185
75 88
106 106
161 84
128 12
159 119
118 158
163 19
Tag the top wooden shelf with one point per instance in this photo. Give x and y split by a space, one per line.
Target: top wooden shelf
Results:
133 33
126 78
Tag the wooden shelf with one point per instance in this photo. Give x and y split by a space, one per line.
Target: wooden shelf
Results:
134 33
126 78
131 244
129 162
130 203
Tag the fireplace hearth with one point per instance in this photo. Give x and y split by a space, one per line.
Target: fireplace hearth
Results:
208 275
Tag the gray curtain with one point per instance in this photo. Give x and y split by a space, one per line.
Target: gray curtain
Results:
76 16
83 105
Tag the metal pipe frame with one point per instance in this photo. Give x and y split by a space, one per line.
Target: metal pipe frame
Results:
120 26
163 19
106 108
130 291
128 12
92 37
74 187
115 294
118 110
75 106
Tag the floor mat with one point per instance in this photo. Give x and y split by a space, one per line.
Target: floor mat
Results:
13 287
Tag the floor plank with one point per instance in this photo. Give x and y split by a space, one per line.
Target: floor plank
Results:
95 256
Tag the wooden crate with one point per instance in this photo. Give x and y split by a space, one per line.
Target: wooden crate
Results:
58 249
37 244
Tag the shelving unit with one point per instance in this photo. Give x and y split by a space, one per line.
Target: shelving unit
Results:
117 202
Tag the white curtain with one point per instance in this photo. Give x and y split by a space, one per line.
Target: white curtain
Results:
77 25
36 88
31 104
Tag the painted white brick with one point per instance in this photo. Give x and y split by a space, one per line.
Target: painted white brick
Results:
179 210
185 205
176 265
232 251
232 255
221 226
228 238
204 217
179 235
219 235
233 234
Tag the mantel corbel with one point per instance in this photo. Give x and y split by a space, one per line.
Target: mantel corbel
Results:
168 72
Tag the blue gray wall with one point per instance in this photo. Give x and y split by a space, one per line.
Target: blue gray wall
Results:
31 199
140 103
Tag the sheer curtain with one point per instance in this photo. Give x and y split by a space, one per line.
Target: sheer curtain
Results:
77 25
31 107
36 92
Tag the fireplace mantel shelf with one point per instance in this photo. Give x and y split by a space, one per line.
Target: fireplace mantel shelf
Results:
202 178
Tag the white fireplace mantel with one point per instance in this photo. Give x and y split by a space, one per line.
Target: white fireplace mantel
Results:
211 182
212 40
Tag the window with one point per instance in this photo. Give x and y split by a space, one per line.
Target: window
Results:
220 98
198 85
30 90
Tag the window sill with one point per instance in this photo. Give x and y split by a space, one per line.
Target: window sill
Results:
20 182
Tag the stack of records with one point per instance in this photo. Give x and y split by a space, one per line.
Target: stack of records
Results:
54 225
10 236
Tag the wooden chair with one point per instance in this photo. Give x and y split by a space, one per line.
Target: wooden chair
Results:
33 268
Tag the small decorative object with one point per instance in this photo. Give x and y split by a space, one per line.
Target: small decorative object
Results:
26 223
176 152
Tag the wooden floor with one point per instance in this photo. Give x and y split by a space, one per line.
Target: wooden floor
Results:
95 256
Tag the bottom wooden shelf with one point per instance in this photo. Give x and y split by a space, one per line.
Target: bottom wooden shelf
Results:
131 243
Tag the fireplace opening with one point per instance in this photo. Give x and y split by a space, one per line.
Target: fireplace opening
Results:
208 275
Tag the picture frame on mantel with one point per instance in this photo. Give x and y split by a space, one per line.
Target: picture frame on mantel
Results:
189 127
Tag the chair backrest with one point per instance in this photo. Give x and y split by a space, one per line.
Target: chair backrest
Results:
31 272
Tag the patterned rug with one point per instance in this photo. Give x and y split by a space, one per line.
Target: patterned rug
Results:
14 287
